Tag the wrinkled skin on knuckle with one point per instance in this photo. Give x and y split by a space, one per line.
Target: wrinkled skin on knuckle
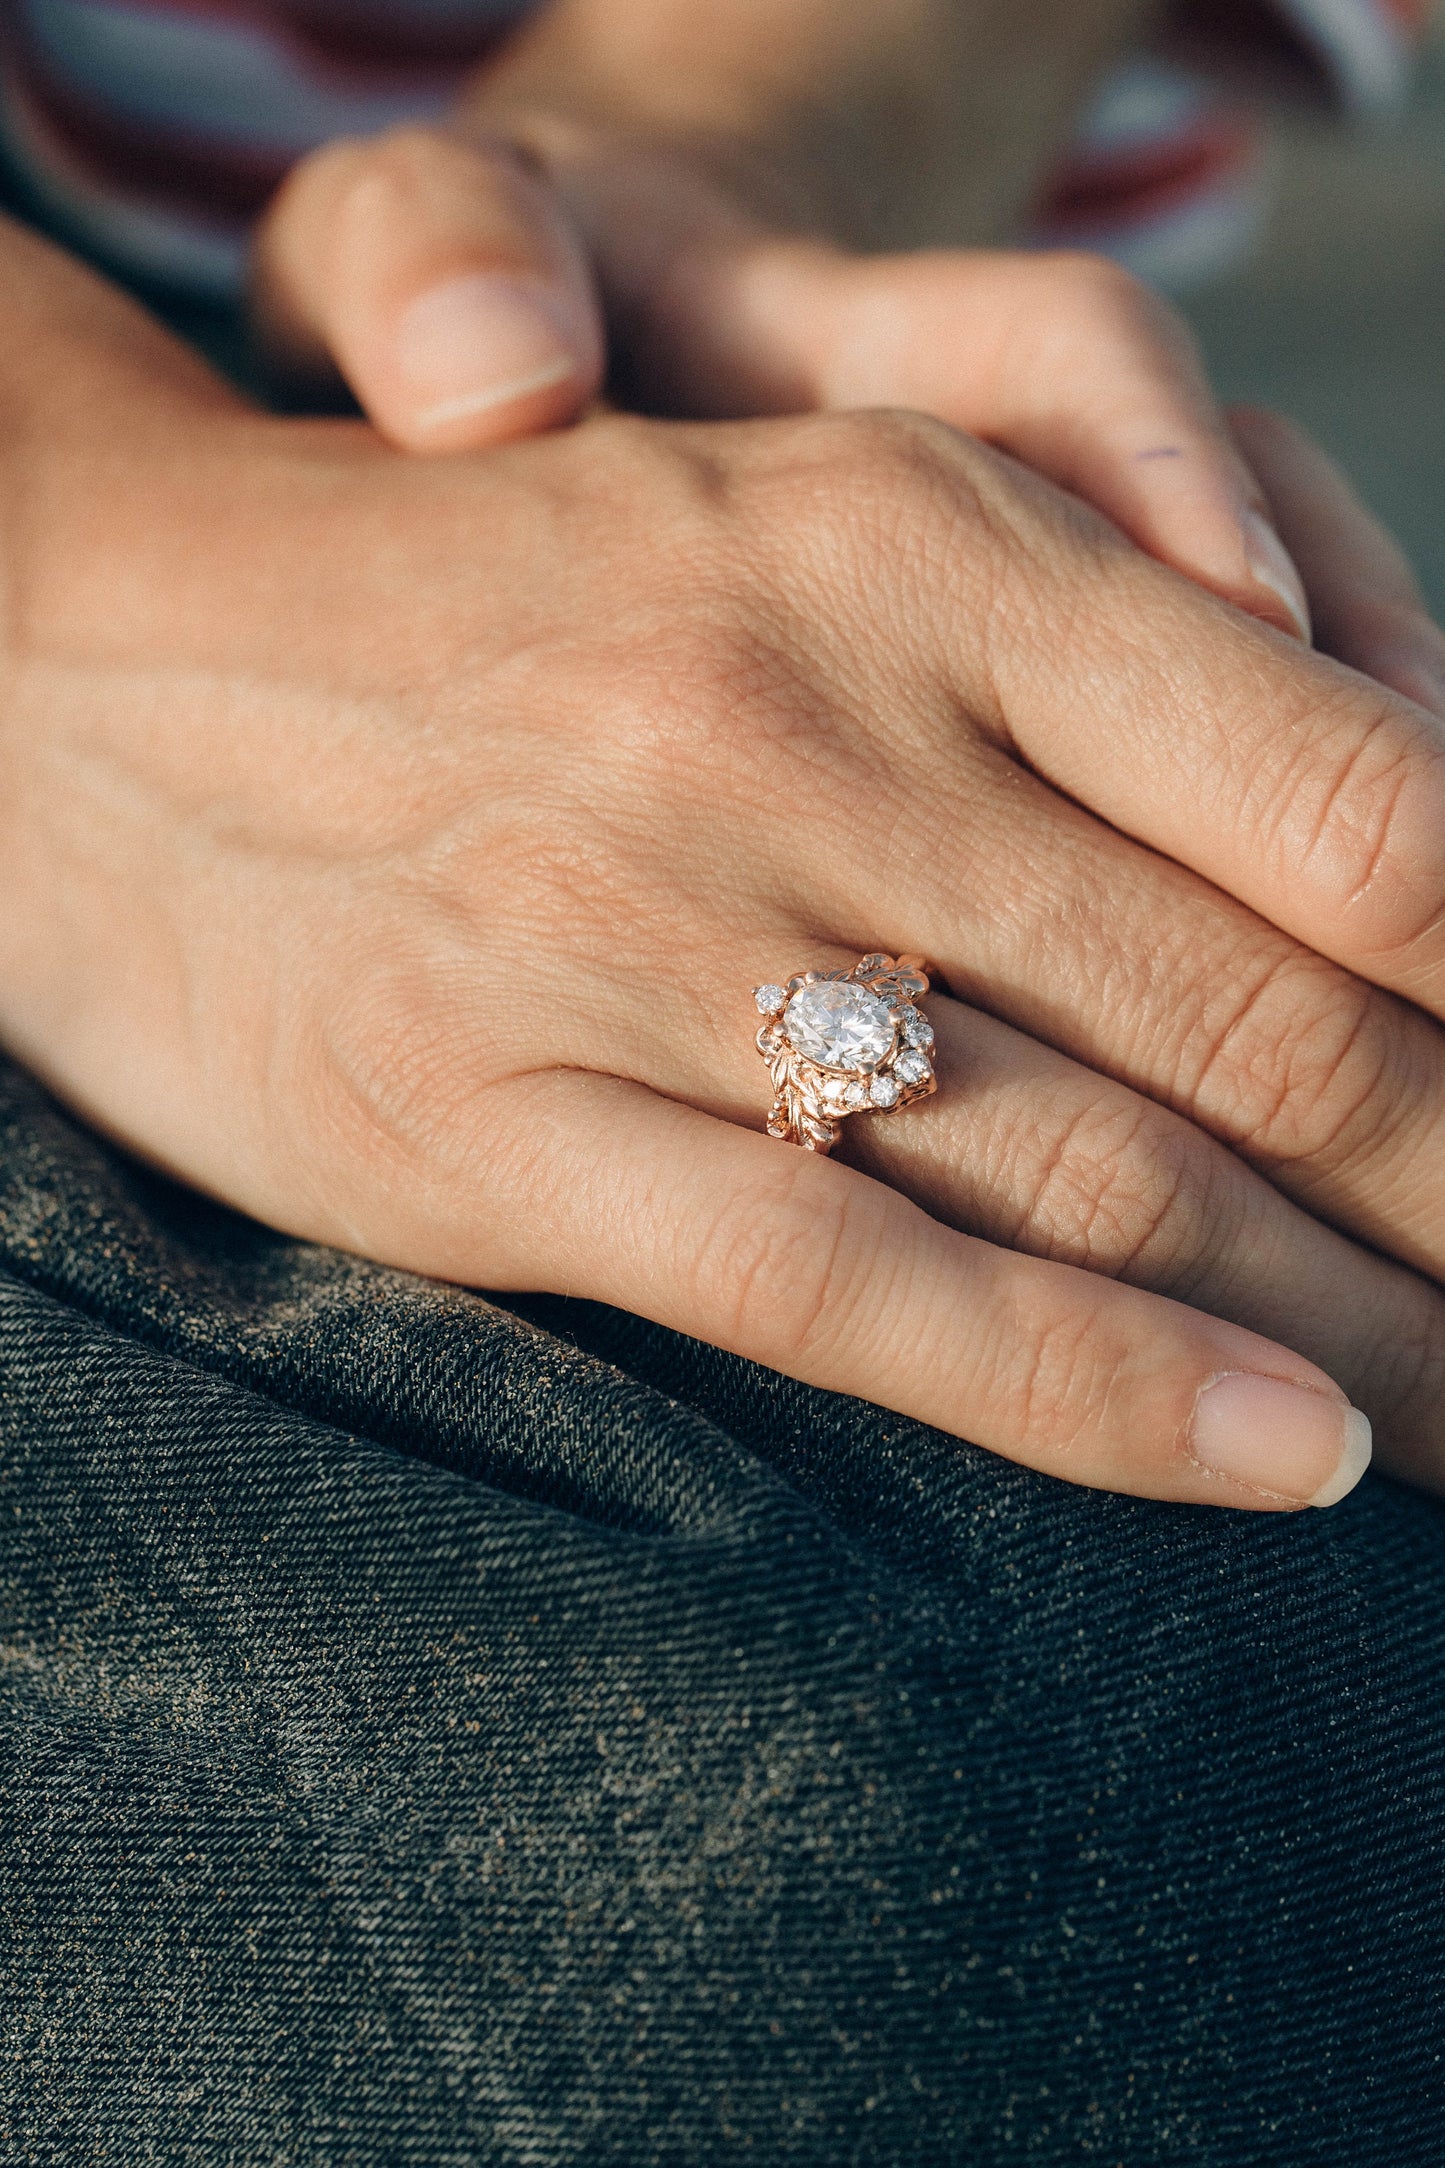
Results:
781 1266
696 647
1297 1063
1125 1190
740 622
878 528
954 563
1363 820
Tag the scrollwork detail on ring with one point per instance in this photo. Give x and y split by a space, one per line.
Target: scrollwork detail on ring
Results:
867 1053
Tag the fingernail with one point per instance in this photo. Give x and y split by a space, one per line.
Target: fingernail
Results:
1281 1438
1274 568
480 342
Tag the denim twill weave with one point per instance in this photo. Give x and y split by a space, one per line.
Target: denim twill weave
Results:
440 1733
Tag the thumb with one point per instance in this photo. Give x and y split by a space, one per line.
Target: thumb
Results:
441 279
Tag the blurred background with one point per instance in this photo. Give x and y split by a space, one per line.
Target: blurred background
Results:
1339 316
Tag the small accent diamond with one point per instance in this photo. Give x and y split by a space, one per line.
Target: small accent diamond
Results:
857 1094
912 1067
770 999
885 1091
917 1031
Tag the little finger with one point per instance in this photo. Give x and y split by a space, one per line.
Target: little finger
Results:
812 1268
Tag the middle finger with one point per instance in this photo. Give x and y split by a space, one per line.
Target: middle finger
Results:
1141 970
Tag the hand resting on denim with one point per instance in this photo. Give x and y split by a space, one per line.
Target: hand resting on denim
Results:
392 845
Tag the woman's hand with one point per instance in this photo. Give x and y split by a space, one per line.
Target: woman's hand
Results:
391 847
705 187
454 288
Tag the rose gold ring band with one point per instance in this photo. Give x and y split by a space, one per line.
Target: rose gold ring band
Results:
845 1042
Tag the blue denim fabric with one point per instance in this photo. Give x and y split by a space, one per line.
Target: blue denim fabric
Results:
443 1733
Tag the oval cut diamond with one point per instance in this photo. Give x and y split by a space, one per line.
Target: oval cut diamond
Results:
839 1025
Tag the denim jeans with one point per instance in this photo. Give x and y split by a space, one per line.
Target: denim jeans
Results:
441 1731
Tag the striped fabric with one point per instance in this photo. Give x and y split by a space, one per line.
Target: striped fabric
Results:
154 130
1167 173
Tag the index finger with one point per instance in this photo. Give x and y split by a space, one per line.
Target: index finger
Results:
1306 790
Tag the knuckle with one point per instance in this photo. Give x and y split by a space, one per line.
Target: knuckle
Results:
336 160
879 437
876 459
1126 1190
1103 296
358 176
1095 309
343 184
891 440
782 1267
422 156
1298 1065
1373 817
320 187
886 518
410 151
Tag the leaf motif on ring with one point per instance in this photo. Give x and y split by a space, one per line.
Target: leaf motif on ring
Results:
891 1068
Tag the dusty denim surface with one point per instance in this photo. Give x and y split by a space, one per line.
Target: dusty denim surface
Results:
438 1735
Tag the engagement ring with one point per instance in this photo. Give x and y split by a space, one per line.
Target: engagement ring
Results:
845 1042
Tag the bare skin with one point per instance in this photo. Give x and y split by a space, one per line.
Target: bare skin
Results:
628 188
897 123
392 842
637 715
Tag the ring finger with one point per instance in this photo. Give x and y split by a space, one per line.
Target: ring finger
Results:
1036 1152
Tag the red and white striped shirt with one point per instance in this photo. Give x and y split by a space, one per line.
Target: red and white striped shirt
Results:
154 130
